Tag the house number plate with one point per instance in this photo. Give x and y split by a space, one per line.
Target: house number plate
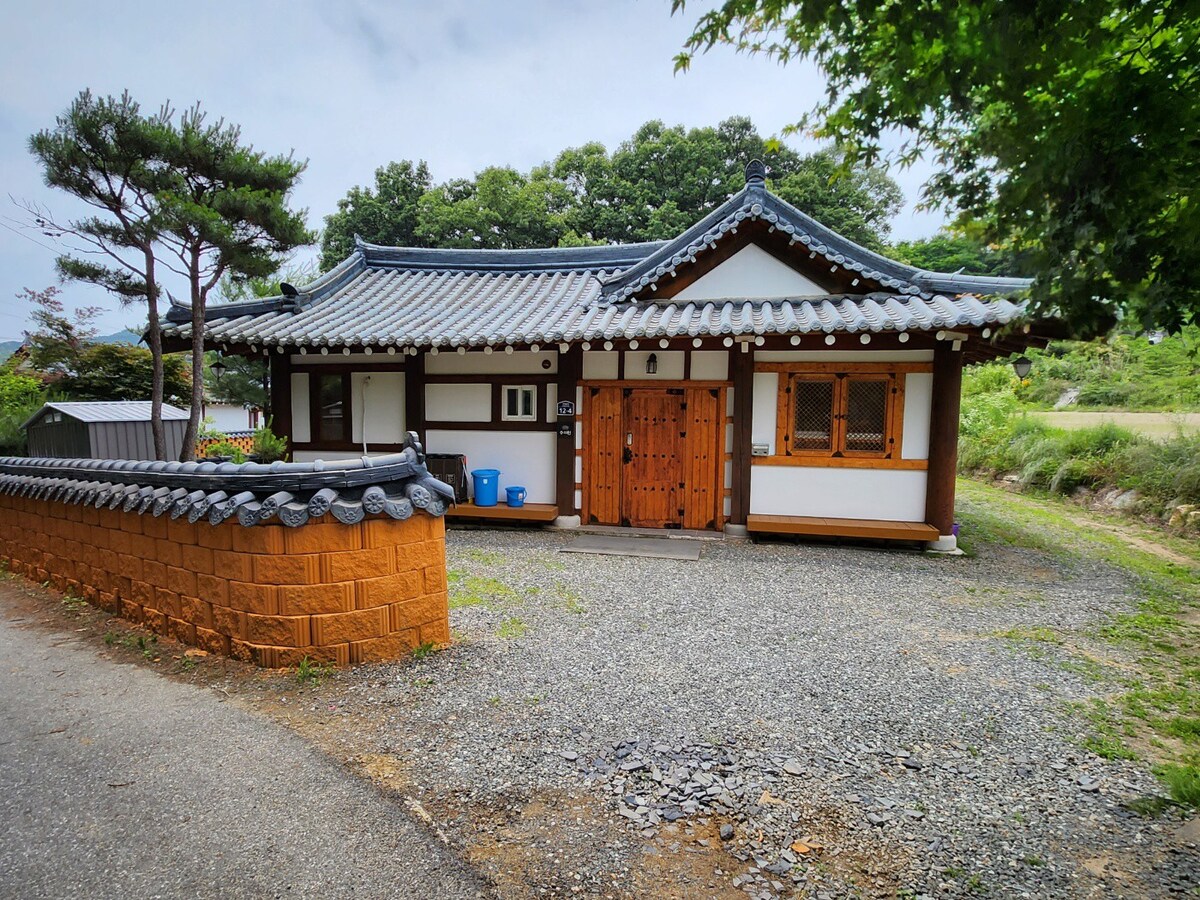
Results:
566 407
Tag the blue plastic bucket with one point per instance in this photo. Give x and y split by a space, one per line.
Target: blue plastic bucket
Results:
516 495
487 486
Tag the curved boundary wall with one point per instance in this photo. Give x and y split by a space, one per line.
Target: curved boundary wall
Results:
345 586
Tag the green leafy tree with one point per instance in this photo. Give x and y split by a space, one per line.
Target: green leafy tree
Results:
108 154
499 208
20 397
950 251
386 214
184 196
1068 128
57 339
224 212
124 372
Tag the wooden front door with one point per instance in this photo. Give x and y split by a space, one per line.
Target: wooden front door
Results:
652 443
652 457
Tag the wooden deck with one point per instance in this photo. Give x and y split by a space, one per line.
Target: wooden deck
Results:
530 512
859 528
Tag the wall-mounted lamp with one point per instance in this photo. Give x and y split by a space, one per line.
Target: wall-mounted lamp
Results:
1022 366
652 364
218 369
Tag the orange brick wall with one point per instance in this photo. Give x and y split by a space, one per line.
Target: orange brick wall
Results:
268 594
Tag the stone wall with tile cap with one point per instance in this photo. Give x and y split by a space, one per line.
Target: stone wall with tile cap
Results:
342 561
268 594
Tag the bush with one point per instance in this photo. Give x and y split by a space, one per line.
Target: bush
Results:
226 448
268 446
20 397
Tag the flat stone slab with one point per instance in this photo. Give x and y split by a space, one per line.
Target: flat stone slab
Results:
651 548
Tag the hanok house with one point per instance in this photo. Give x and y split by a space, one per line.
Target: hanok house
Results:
757 372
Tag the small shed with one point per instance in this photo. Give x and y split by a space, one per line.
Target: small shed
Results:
118 429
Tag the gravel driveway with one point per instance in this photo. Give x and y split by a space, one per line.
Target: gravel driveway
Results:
774 719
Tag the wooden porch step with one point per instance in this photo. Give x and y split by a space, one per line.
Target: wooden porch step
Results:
530 512
825 527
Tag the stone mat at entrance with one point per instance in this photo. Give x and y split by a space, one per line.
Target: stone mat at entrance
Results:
654 548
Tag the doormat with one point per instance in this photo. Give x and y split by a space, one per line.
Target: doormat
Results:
652 548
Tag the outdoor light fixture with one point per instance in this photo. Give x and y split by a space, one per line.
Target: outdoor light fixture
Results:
218 369
652 364
1021 365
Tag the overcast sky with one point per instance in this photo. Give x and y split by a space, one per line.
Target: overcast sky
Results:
351 84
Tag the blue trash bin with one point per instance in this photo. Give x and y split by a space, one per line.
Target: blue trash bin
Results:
487 486
516 495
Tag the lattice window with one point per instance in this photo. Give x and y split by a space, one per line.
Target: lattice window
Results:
812 414
866 415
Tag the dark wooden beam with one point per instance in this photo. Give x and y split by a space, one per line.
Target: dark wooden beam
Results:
943 437
414 396
742 364
570 371
281 396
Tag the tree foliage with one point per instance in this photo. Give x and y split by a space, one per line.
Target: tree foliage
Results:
124 372
57 340
180 195
651 187
1070 128
956 251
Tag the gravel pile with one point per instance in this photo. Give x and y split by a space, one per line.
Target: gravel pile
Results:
848 721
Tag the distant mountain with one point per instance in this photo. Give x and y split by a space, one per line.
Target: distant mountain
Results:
124 336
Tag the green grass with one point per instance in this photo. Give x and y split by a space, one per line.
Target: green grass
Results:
1152 710
309 671
512 627
428 648
478 590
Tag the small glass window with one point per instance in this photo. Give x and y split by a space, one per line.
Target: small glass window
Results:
331 425
866 415
812 408
520 403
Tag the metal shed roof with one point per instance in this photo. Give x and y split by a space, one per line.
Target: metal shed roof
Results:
110 411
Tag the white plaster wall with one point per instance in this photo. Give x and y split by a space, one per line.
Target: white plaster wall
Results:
301 426
751 272
227 416
859 356
458 402
523 458
496 363
670 365
710 365
762 418
600 364
918 404
378 406
896 495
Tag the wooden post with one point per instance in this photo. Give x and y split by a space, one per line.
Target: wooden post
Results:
742 364
570 370
414 396
281 396
943 436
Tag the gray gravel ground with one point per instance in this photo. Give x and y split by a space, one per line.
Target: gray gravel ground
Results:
116 782
865 703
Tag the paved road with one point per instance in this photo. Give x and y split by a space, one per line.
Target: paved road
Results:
116 782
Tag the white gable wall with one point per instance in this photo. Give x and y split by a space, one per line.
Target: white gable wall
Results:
751 272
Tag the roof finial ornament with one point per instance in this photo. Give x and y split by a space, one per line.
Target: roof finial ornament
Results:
756 173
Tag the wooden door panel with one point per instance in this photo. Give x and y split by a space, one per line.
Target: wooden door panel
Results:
652 448
702 455
602 437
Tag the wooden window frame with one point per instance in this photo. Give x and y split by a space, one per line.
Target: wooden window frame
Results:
534 412
315 417
893 417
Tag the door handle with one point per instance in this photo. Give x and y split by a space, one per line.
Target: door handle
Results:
629 439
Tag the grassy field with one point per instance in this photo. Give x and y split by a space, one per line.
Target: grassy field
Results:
1159 425
1153 710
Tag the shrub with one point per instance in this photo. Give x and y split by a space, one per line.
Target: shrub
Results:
268 446
226 448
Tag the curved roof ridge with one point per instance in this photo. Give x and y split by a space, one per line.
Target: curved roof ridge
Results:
596 257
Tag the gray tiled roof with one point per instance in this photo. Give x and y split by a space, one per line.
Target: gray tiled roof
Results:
393 485
400 297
